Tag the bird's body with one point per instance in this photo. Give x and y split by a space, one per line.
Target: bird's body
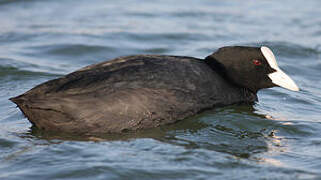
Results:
145 91
129 93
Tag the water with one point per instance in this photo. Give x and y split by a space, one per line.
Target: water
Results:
277 138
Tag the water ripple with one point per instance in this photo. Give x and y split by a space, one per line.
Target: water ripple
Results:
72 49
12 68
290 50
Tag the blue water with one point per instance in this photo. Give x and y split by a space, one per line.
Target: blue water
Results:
277 138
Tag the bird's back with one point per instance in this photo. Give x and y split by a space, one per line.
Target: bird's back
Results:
128 93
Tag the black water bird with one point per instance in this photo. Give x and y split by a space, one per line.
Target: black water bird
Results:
145 91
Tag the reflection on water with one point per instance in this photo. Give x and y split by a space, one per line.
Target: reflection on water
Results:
221 128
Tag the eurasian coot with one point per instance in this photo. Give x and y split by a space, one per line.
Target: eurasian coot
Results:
145 91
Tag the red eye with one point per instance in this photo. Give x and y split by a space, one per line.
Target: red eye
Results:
256 62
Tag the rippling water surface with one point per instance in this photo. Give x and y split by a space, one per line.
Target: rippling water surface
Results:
277 138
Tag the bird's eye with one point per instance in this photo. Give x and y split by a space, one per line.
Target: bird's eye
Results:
256 62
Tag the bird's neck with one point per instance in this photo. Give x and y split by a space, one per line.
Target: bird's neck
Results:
249 96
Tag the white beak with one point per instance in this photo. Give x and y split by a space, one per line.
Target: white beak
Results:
279 77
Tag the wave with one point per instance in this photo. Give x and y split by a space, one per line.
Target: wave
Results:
10 67
288 49
5 2
12 71
72 49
